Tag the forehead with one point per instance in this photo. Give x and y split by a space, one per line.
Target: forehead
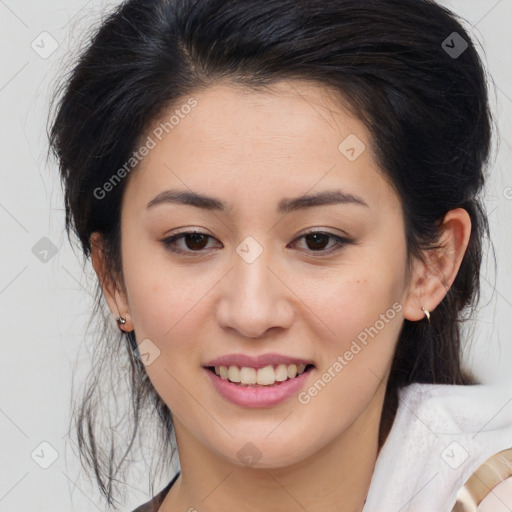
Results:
292 138
273 120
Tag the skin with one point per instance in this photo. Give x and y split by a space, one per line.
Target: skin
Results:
243 147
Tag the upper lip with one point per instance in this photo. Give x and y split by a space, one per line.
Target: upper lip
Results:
256 362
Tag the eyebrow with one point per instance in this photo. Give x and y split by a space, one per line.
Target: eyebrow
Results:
285 205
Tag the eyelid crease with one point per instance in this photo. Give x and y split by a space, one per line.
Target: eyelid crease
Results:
340 242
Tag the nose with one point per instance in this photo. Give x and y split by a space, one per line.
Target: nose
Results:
254 298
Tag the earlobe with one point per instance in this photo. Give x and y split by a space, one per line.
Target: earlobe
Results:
116 300
432 279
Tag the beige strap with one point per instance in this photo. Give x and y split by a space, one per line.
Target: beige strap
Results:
492 472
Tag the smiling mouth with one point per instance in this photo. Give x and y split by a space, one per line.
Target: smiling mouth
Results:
270 375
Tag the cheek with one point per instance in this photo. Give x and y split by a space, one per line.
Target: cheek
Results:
161 296
363 311
165 306
365 315
353 303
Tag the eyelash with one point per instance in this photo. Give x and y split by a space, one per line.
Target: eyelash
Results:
340 242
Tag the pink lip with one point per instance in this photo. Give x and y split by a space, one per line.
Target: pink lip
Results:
258 396
255 362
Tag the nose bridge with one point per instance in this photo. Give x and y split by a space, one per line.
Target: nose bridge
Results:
254 299
251 274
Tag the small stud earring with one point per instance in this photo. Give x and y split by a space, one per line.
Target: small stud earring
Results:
121 321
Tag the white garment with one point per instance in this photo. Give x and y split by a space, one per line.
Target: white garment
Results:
440 435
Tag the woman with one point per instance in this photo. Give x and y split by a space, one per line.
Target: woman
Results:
281 203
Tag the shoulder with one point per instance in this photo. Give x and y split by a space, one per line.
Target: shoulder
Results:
461 407
154 504
441 434
490 486
500 499
478 414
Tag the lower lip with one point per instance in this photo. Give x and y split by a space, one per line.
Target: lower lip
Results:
261 396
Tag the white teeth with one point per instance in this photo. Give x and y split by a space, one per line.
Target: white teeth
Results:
266 376
247 375
292 371
281 372
234 374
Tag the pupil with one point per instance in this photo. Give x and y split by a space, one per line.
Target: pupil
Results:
316 237
195 238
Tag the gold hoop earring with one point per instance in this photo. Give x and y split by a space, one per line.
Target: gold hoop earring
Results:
427 314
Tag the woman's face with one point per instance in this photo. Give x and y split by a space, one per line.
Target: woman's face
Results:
252 285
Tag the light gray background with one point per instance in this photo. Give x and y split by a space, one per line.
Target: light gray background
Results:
45 306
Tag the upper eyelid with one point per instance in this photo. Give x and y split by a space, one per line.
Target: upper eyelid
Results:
340 239
305 233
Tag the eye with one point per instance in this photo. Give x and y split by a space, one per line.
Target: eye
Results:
195 242
316 241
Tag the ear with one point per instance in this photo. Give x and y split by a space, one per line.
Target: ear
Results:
431 280
113 292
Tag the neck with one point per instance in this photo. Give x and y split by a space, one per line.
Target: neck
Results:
334 479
